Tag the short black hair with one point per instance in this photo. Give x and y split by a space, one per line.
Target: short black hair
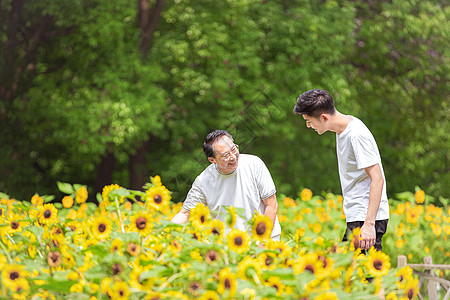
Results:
211 138
314 102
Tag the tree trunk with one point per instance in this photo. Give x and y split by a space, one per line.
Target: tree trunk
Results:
148 21
137 165
105 170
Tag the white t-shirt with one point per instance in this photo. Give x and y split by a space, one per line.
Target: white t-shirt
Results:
356 150
245 188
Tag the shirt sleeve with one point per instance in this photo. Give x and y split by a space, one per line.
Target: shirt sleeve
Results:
194 196
264 181
366 151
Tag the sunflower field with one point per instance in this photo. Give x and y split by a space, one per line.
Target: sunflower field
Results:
127 248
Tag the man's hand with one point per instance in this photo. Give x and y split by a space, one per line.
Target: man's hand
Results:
181 217
368 236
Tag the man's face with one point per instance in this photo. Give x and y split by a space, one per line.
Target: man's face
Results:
318 124
226 155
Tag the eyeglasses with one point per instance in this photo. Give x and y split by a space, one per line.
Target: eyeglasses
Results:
234 150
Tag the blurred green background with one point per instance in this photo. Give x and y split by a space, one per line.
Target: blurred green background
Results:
99 92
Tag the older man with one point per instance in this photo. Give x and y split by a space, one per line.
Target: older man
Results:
232 179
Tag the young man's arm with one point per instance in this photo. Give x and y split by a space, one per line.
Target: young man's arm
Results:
271 207
181 217
368 233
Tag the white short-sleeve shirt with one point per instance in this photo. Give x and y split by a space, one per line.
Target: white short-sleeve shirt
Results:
245 188
356 150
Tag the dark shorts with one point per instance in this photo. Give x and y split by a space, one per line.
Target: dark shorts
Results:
380 229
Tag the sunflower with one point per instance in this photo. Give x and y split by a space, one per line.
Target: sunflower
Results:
138 282
420 196
267 260
283 249
227 282
309 262
14 223
262 227
101 227
216 228
411 288
238 241
158 197
249 269
67 201
212 256
81 195
306 194
108 189
199 216
377 263
209 295
404 275
36 200
141 222
194 287
133 249
289 202
54 259
21 290
276 283
412 215
120 291
48 214
13 275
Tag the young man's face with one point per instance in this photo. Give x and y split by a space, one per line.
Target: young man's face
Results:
226 155
318 124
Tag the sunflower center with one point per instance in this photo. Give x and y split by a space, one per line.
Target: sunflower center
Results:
116 268
202 219
268 261
121 292
261 228
215 231
378 264
14 225
238 241
275 286
227 283
47 213
310 268
410 293
101 228
157 199
195 285
211 255
324 260
14 275
141 223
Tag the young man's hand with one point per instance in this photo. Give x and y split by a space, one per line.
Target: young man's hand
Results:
368 236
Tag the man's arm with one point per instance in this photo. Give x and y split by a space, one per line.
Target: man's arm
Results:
368 233
271 207
181 217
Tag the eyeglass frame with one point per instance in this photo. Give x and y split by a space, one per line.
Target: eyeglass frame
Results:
227 155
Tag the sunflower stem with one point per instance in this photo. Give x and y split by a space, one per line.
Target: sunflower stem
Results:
172 278
7 234
255 277
6 252
120 215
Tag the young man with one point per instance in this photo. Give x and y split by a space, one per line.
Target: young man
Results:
232 179
360 169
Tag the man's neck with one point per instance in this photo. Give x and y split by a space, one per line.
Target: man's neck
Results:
340 122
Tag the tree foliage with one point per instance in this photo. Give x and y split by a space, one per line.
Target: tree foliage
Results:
89 84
